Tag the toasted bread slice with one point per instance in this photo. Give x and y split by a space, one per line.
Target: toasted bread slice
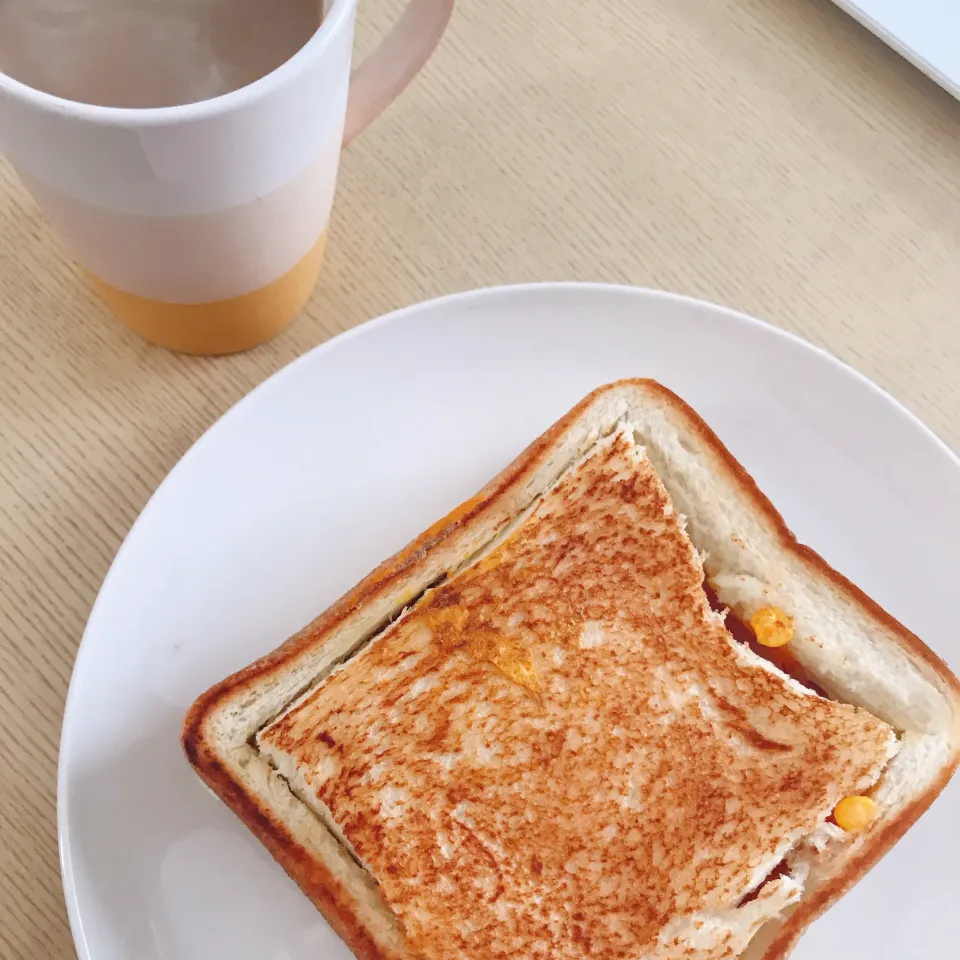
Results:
561 750
528 731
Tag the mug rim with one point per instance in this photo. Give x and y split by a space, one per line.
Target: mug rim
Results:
102 115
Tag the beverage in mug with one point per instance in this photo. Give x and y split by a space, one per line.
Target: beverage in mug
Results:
150 53
187 150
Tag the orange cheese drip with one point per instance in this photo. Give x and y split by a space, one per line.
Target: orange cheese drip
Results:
452 628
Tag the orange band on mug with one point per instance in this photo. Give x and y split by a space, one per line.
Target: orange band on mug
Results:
221 326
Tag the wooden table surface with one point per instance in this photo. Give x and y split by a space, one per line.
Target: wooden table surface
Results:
765 154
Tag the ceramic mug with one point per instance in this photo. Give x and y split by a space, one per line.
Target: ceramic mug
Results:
202 226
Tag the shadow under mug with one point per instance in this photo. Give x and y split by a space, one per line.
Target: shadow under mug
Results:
202 226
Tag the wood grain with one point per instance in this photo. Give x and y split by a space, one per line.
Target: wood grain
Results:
771 156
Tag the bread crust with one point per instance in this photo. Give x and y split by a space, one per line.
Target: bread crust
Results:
330 894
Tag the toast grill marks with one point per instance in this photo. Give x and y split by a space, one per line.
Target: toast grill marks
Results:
562 750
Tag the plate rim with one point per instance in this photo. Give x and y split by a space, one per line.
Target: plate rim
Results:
367 328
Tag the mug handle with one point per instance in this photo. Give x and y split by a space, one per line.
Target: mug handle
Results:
384 75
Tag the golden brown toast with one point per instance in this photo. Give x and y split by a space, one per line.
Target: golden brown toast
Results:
546 743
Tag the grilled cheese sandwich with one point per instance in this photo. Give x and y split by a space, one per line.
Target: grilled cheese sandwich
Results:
548 743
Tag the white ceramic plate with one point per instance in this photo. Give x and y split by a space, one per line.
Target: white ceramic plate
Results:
347 454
